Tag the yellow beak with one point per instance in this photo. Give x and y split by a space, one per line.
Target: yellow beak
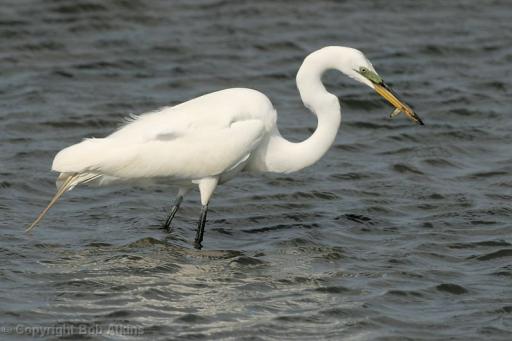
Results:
383 90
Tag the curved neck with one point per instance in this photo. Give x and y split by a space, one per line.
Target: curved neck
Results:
285 156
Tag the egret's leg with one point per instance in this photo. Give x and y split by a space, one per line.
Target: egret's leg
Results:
200 227
174 209
206 188
179 199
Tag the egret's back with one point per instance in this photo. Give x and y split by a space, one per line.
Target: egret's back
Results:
202 137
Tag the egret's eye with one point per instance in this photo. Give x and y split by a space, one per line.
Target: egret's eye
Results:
363 69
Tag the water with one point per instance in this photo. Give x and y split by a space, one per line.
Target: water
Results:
400 232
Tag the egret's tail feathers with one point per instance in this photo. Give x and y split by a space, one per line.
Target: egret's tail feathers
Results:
79 178
64 183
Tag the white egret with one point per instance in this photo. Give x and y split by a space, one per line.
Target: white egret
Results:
210 139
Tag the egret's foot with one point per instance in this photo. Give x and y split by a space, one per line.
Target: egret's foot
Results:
200 228
198 246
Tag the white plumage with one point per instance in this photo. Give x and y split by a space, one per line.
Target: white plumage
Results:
210 139
200 138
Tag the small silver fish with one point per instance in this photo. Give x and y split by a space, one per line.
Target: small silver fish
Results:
395 112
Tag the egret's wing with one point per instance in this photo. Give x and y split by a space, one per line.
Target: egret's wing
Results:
205 136
196 153
169 123
220 109
187 154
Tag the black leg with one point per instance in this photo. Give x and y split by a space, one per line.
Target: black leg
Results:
200 227
174 209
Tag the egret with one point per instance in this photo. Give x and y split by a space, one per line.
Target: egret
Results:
212 138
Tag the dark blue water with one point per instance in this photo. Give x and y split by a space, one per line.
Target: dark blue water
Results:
400 232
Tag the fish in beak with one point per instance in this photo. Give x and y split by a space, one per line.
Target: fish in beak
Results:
385 91
400 106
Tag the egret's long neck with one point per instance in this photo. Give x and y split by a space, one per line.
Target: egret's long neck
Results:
285 156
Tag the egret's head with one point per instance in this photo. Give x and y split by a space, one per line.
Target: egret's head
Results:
358 67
